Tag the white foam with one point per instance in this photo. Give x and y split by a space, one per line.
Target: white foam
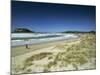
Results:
40 40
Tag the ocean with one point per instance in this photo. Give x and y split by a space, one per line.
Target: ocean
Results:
18 39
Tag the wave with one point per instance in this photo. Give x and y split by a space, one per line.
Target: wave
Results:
33 38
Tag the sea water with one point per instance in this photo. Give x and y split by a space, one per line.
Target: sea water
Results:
18 39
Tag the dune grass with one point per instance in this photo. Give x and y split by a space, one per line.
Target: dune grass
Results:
76 54
28 61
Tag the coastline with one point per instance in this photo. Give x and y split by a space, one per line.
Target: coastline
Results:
18 50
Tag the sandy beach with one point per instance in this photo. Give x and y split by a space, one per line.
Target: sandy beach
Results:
52 56
19 50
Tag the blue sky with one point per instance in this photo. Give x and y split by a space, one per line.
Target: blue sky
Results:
47 17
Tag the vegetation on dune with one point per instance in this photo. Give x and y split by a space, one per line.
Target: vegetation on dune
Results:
76 54
28 61
38 56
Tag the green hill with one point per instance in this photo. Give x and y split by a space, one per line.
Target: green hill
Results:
22 30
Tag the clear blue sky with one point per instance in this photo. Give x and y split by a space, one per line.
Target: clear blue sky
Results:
47 17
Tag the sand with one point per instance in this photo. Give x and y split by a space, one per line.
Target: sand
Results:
19 50
42 57
21 53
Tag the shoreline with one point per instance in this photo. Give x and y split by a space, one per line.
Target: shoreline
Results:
18 50
43 42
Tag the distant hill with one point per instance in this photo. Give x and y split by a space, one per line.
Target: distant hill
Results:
79 32
22 30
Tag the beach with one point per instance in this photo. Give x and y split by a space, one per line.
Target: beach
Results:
18 50
55 56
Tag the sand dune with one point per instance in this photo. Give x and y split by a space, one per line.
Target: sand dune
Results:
55 56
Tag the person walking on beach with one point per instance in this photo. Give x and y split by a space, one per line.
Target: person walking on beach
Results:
27 46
